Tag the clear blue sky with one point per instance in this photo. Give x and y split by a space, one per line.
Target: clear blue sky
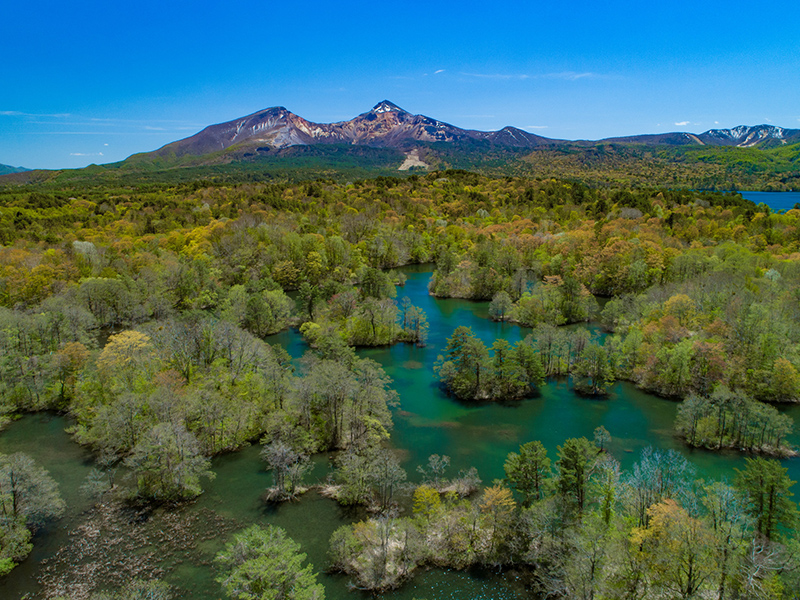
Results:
95 81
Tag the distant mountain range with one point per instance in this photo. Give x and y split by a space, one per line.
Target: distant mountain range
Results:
276 144
7 169
389 126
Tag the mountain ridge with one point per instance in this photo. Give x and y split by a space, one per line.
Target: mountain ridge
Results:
8 169
387 125
275 143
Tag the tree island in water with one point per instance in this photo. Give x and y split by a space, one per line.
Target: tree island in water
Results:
579 392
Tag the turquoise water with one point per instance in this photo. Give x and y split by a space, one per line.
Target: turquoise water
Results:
426 422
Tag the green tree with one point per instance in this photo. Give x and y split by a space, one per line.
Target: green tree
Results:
500 306
27 492
530 362
575 461
28 498
309 296
507 379
463 368
268 312
427 502
266 564
766 485
592 371
168 463
414 322
529 471
728 519
377 284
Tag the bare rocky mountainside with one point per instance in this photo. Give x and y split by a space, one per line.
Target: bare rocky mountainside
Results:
386 125
389 126
742 136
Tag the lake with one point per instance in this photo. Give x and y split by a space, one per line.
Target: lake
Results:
775 200
426 422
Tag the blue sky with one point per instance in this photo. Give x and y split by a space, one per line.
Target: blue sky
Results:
94 82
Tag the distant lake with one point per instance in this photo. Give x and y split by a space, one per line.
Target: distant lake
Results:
775 200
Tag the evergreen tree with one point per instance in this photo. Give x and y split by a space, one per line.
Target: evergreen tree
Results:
575 460
529 471
766 485
463 368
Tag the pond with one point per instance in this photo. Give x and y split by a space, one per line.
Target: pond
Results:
425 422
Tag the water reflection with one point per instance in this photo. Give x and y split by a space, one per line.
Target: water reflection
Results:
426 422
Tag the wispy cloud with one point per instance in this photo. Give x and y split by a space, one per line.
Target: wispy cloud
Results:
17 113
439 71
86 154
682 123
99 124
499 76
135 121
563 75
571 76
535 127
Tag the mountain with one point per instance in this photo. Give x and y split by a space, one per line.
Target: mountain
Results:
276 144
7 169
389 126
746 137
385 126
742 136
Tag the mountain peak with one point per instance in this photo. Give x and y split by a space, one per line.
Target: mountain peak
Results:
386 106
745 135
388 125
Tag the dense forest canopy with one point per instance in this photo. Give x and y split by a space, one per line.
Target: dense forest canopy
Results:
610 164
140 311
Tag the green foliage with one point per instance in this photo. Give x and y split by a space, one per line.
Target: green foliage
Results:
469 372
529 471
28 498
265 564
653 529
592 371
733 419
464 364
168 464
576 459
766 487
500 306
368 475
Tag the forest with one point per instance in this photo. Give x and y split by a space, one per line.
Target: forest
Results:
609 164
139 311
